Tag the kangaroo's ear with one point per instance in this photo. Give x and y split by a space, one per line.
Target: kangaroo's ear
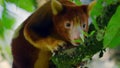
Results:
91 5
56 7
84 8
87 8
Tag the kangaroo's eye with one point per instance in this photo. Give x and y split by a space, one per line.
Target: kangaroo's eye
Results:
68 24
84 25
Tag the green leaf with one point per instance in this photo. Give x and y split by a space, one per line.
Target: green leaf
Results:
91 33
77 2
100 35
78 41
96 11
7 19
111 1
1 2
28 5
112 34
1 30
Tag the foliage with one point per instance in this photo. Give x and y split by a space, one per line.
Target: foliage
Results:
77 2
112 35
80 54
1 29
1 2
28 5
7 20
6 23
106 20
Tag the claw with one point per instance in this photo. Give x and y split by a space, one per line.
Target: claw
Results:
53 53
61 48
56 48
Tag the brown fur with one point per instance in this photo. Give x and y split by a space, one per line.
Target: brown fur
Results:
43 32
